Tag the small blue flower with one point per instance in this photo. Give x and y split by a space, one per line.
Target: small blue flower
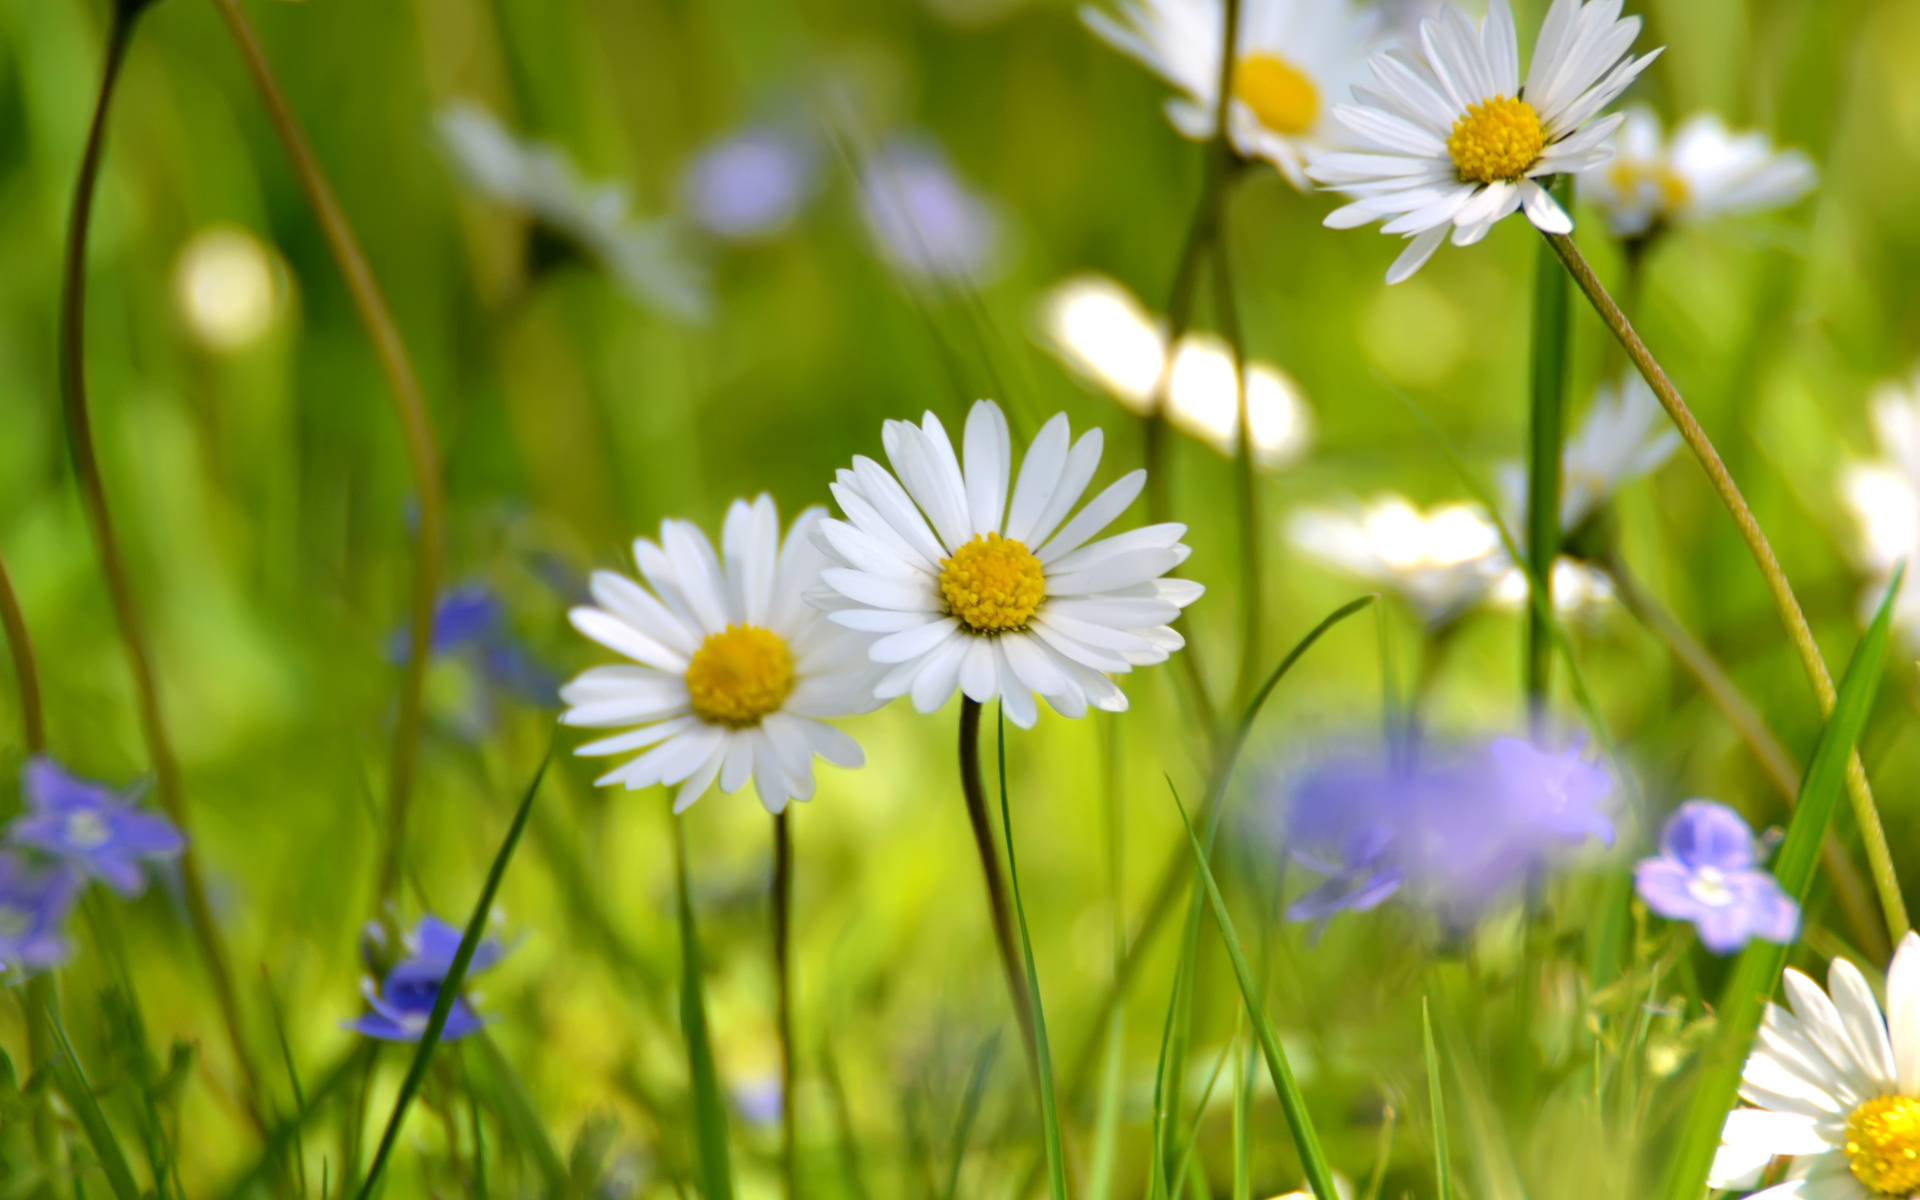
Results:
403 1002
1707 872
750 183
100 833
470 622
759 1100
33 907
1362 879
926 222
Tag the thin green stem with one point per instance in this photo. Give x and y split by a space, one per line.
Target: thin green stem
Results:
25 668
415 426
1551 360
93 495
783 976
1252 584
1879 858
974 788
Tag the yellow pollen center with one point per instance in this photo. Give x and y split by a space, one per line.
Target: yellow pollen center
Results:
1629 179
1281 96
1498 139
739 675
992 583
1883 1145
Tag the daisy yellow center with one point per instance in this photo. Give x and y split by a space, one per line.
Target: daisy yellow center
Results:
1497 140
1883 1145
992 583
1279 93
1628 178
739 675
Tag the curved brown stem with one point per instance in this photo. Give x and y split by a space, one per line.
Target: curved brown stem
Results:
1879 857
25 668
975 789
93 495
415 425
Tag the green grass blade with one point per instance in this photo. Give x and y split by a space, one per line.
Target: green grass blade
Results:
969 1110
1199 1115
71 1078
1757 972
1049 1104
1552 311
1437 1096
519 1117
1106 1121
712 1163
288 1131
450 986
1242 1116
1299 1121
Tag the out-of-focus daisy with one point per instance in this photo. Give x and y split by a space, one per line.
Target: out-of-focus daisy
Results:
1454 142
230 287
751 183
402 1003
925 221
1706 171
1708 872
648 258
1443 561
1293 58
1624 435
937 561
1579 589
1100 330
1885 498
1834 1085
735 671
98 832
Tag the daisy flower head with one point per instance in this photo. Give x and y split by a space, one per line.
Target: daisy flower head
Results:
1453 140
1623 436
732 672
1443 561
1835 1085
1704 171
977 580
1292 56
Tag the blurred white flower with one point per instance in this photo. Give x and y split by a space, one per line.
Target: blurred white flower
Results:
648 258
1443 561
924 220
1885 498
1706 171
1294 59
1454 142
750 183
1624 435
225 283
1104 334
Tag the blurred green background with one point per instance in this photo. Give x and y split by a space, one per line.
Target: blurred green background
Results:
263 497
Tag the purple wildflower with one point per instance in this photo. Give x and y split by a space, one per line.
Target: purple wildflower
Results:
1707 872
100 833
403 1002
750 183
1556 793
470 622
925 220
33 906
759 1100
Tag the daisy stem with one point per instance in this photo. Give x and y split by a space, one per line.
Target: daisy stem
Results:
1251 586
1551 359
93 495
1849 889
972 784
416 427
783 974
1879 858
25 668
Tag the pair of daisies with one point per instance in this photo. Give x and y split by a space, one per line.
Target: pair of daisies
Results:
1444 137
949 572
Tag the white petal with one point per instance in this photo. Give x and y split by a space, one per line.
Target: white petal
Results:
1040 472
1903 1012
904 595
737 766
1419 249
979 674
1860 1018
696 573
914 643
1031 664
1543 210
750 548
989 465
1015 700
698 781
1082 461
1097 515
635 739
939 675
622 638
1135 568
633 604
895 507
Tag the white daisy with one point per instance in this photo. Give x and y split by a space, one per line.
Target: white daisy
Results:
735 669
1580 590
1100 330
1624 435
646 258
1885 498
1292 55
1706 171
1836 1086
1454 141
937 561
1442 562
